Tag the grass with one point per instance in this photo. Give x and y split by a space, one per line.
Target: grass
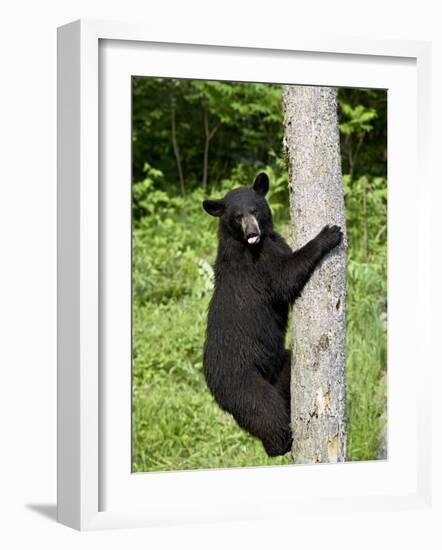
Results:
176 423
366 347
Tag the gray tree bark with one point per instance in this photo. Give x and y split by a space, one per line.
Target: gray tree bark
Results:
311 136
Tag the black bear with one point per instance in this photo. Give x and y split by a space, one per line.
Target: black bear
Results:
257 278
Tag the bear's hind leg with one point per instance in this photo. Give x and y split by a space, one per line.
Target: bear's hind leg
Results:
282 382
264 413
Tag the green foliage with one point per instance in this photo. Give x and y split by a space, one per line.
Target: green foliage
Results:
176 424
165 264
363 148
146 195
366 345
363 128
246 120
357 119
366 211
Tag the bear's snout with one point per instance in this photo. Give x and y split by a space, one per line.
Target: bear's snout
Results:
250 226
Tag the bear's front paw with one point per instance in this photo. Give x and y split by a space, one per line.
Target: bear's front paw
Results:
330 236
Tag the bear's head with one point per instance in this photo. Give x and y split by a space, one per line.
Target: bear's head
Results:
244 212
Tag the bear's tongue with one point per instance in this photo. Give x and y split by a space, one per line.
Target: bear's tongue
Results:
252 240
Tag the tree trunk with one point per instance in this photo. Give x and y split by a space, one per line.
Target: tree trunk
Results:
176 149
208 136
316 199
206 151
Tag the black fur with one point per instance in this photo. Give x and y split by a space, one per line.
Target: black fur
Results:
245 364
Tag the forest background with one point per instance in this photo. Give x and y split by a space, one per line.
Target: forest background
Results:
192 139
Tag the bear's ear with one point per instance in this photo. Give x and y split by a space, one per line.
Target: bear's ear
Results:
261 184
214 208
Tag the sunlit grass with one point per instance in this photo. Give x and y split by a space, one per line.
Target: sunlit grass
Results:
366 359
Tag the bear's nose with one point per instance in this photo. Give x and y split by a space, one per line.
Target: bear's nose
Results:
251 229
252 232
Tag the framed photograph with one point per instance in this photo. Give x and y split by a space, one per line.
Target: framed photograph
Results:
234 277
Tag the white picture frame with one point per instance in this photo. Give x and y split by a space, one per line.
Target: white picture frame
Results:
95 487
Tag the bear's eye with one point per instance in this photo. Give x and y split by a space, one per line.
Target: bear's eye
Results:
253 211
238 217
